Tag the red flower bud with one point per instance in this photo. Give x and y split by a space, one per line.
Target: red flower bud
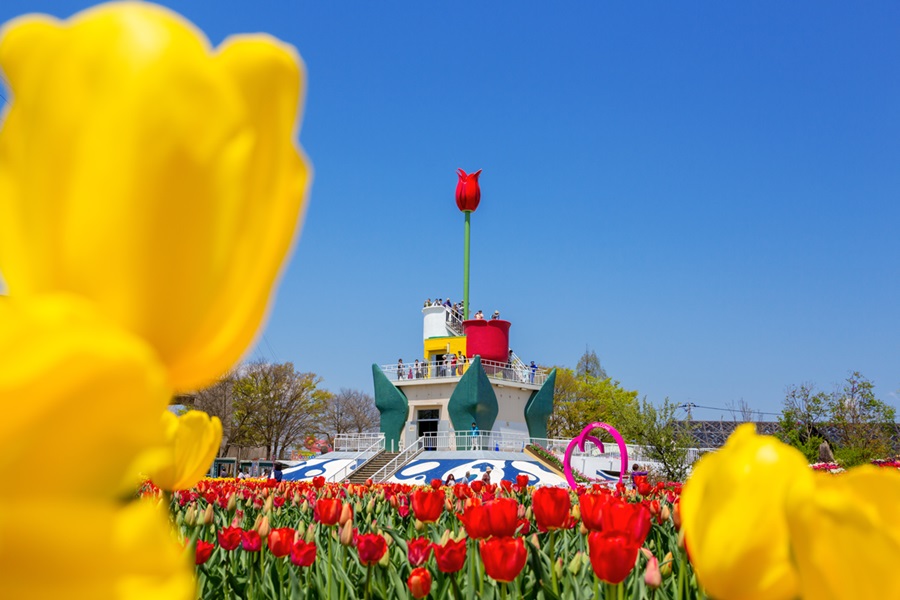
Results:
503 557
328 510
419 582
468 193
612 555
551 508
428 505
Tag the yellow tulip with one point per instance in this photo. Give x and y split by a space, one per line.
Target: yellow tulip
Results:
152 175
733 517
193 442
78 393
57 547
846 534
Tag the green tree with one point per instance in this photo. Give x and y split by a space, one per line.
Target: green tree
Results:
862 422
589 366
667 440
581 400
280 405
802 414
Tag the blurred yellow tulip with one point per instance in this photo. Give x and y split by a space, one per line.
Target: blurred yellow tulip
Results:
94 550
154 176
73 385
733 517
846 534
193 442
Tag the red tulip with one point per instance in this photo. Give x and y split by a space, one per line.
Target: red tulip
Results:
371 547
451 556
468 194
229 537
203 552
436 484
474 518
419 582
613 555
592 508
503 557
280 541
328 510
417 551
631 520
319 482
428 505
503 517
522 481
250 540
551 508
477 486
303 554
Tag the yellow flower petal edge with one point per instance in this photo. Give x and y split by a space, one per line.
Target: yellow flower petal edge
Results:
52 546
733 517
193 442
152 175
80 397
846 534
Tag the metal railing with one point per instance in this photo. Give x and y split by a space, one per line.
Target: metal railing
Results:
361 458
356 442
517 372
396 463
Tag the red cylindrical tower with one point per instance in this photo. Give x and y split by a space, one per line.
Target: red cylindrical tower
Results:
488 338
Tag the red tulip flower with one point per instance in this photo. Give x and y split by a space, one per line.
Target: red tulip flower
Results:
428 505
371 547
522 481
475 519
631 520
592 508
503 517
229 537
280 541
250 540
551 507
303 554
319 482
468 193
328 510
503 557
612 554
436 484
451 556
203 552
417 551
419 582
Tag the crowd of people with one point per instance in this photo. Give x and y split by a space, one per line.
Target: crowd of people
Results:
455 310
443 365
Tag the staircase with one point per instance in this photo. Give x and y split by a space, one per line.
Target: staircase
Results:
371 466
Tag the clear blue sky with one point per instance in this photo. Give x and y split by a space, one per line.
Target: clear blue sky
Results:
706 194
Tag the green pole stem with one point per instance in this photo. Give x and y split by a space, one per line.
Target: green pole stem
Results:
466 268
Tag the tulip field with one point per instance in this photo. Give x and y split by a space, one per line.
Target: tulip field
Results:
262 539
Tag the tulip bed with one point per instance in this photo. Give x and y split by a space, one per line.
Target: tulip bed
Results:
261 539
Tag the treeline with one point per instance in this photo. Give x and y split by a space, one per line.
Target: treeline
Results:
277 408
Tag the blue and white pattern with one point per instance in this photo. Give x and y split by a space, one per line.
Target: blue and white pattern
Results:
315 467
422 471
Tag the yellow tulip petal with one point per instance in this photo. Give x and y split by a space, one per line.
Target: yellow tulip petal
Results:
193 442
81 397
733 517
176 186
846 534
53 546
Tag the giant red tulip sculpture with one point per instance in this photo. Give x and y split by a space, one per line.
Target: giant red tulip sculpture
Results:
468 195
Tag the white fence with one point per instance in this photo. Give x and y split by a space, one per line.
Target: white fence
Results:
517 372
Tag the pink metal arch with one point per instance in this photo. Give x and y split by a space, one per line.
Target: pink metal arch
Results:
585 436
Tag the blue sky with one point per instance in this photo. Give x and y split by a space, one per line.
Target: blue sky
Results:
705 194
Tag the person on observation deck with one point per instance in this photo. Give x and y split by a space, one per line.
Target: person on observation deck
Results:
479 315
399 368
533 369
496 315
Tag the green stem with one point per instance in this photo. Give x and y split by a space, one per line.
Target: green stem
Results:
553 577
457 595
368 580
466 268
503 590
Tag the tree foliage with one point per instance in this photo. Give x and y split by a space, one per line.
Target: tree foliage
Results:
349 411
589 366
666 439
858 423
280 405
579 401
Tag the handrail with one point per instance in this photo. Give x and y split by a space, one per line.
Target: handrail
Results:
399 461
352 442
517 372
374 450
